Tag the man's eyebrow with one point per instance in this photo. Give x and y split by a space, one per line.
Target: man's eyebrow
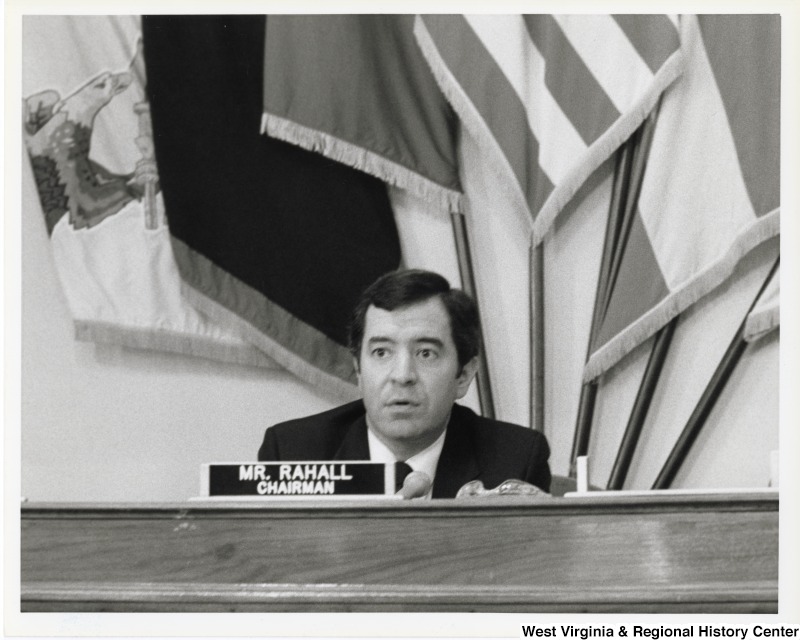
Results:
425 340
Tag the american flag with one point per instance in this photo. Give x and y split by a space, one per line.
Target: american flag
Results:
550 97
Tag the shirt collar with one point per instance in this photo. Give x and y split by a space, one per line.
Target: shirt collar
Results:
425 461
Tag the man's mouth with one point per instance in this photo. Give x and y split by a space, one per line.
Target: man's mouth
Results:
401 403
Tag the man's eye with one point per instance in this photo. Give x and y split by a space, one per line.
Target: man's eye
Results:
380 352
426 354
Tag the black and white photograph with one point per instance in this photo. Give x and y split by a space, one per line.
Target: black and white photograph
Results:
401 313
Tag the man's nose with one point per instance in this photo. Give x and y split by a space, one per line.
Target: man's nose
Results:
404 370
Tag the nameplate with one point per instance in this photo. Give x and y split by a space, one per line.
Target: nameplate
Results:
298 480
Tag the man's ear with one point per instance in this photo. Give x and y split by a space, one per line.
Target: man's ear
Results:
356 367
466 376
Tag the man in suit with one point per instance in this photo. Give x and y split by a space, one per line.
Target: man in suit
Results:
415 342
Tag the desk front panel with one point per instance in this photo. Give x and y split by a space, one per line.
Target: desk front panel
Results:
505 554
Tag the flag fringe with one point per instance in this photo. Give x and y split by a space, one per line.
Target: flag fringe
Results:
172 342
471 117
317 378
361 159
689 292
606 145
760 323
598 153
291 343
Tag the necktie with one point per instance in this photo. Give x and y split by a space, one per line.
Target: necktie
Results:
402 469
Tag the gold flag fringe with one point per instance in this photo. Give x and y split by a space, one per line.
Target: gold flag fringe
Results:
689 292
317 378
172 341
606 145
760 323
362 159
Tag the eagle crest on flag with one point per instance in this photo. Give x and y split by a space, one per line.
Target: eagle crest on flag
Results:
58 135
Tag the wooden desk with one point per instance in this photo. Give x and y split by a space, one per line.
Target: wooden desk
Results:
700 553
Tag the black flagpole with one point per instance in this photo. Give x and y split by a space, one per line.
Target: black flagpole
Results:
536 279
468 284
641 405
709 398
628 177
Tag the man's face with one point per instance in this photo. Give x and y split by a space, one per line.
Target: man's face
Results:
409 374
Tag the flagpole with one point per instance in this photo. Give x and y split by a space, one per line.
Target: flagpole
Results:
641 406
468 285
580 443
536 279
663 338
628 177
709 398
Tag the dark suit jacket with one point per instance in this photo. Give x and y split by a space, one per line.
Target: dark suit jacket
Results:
475 448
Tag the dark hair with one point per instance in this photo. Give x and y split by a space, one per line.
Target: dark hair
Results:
409 286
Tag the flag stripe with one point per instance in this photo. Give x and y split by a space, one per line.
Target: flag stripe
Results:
569 80
508 42
576 111
610 56
654 37
750 90
494 98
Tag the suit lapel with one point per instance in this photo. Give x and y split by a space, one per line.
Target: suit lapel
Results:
355 445
458 463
